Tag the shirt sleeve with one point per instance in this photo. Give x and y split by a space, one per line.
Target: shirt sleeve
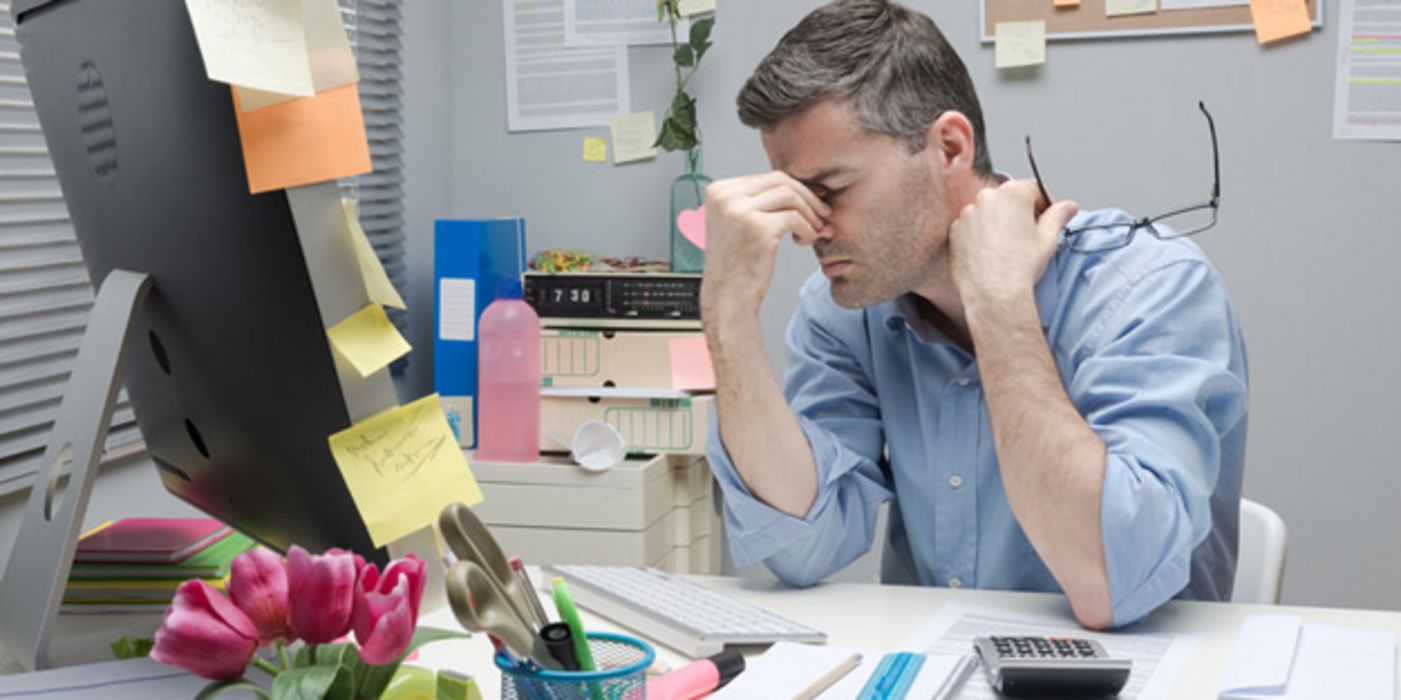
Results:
1164 384
831 396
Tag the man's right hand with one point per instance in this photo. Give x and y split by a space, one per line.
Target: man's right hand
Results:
745 218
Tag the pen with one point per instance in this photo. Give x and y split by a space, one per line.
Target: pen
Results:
559 641
564 603
829 678
528 589
954 683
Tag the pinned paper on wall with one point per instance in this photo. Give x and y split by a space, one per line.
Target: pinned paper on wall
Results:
595 149
306 140
1020 44
1067 3
633 136
402 468
328 54
691 368
367 340
695 7
1116 8
1279 19
257 44
377 283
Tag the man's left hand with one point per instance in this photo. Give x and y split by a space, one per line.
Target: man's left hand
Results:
999 247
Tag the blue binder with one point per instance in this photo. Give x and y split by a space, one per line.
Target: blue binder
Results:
470 257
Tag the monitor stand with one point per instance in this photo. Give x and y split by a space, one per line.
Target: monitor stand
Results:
42 558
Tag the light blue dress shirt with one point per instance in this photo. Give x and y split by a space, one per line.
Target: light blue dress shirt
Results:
1150 353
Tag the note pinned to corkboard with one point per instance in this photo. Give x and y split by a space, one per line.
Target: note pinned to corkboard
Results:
1089 19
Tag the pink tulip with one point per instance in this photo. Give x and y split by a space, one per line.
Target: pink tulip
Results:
205 634
386 608
320 593
258 586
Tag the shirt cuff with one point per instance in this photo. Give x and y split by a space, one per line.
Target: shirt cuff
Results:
1147 540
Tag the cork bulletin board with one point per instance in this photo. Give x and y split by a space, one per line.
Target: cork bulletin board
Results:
1089 22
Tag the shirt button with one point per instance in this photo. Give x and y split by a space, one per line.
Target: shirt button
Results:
954 582
964 381
955 481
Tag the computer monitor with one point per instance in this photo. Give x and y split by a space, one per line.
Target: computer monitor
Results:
230 373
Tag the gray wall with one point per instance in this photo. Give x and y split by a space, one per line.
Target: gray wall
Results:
1307 240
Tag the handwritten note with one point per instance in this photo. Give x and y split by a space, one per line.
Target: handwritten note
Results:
1279 19
377 282
306 140
633 136
328 55
402 467
1115 8
1020 44
253 43
367 340
695 7
595 150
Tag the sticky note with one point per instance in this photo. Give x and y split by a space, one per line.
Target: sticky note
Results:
377 282
691 368
328 54
258 44
633 136
695 7
402 468
1115 8
367 340
306 140
595 150
1279 19
1067 3
1021 44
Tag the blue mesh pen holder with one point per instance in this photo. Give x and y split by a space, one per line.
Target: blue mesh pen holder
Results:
621 661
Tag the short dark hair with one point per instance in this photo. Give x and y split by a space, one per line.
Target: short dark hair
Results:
891 62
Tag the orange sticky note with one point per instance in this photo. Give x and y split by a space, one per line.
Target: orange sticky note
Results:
691 369
1067 3
1279 19
306 140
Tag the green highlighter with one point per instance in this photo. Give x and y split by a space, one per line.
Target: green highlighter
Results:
564 603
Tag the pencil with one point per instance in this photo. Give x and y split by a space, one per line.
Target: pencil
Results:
829 678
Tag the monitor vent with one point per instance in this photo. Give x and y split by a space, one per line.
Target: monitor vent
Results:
95 120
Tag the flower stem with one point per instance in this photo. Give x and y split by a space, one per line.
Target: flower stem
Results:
311 653
282 655
266 666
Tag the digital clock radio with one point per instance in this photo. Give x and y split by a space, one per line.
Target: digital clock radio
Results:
661 300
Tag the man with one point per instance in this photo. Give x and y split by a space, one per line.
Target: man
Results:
1040 418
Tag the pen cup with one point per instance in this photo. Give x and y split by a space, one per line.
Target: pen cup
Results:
622 673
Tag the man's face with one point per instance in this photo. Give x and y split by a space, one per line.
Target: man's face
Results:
889 220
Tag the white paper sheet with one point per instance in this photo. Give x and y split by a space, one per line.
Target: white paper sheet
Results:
787 669
551 86
1199 4
1278 657
618 23
253 43
1158 660
1367 91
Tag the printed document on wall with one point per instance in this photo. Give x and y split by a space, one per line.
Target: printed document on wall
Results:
552 86
1367 93
618 22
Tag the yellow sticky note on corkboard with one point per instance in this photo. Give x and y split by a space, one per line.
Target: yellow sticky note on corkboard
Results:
1021 44
402 468
1115 8
367 340
633 136
595 150
377 283
1279 19
306 140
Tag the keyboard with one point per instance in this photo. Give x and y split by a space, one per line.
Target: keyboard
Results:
687 617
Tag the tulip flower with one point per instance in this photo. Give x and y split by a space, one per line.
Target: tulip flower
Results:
320 593
205 634
258 586
386 608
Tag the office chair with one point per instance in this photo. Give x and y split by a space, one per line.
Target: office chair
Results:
1260 561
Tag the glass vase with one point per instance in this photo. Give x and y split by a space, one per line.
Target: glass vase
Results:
687 192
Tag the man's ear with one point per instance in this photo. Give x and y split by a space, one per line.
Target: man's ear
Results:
951 137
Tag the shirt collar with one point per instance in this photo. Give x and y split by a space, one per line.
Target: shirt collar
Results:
904 310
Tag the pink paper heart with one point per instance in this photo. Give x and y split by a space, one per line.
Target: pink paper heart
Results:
692 225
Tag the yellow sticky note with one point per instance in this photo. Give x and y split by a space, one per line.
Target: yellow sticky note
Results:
595 150
259 45
306 140
633 136
1021 44
403 467
328 54
368 340
1114 8
1067 3
695 7
377 282
1279 19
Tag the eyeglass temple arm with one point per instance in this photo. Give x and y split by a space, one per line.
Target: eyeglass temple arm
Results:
1215 153
1037 173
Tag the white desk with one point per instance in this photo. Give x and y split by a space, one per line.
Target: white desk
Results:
853 615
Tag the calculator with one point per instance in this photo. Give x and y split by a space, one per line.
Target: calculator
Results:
1051 666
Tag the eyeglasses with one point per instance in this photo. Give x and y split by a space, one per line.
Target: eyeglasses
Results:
1177 223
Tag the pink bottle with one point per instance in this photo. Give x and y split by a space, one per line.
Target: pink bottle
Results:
508 378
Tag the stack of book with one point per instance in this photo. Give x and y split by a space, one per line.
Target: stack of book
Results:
134 565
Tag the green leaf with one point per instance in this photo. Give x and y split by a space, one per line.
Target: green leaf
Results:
376 678
700 51
683 110
684 57
661 9
132 647
217 687
700 33
314 683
